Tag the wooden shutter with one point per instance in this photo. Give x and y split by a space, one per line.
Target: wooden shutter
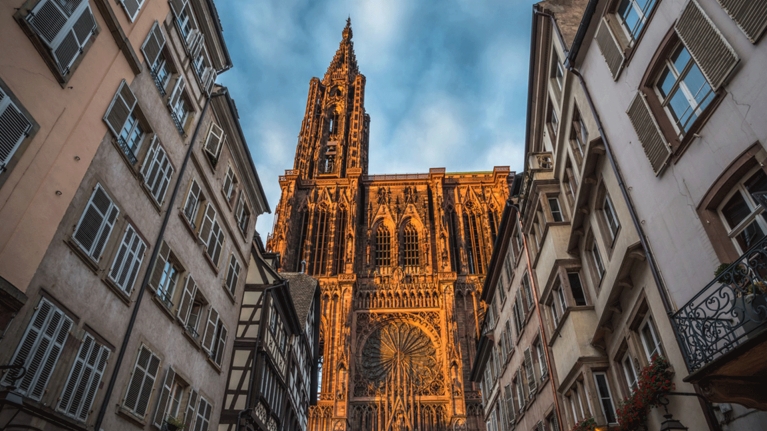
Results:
653 142
191 202
210 330
159 265
191 406
542 359
164 398
530 372
141 382
207 225
209 79
707 46
178 91
14 127
214 140
120 109
65 29
233 274
131 8
611 50
157 171
96 223
40 348
187 298
128 260
84 379
222 333
153 45
751 16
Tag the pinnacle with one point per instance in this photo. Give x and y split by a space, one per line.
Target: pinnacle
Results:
347 33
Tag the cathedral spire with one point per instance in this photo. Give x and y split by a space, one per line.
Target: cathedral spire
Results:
344 63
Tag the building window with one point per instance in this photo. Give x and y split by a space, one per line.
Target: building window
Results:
128 260
556 210
14 128
576 288
39 349
629 372
211 234
474 243
599 267
203 415
683 90
132 7
178 105
84 379
157 171
605 397
141 382
192 205
156 60
230 185
233 274
611 218
124 121
96 223
189 304
650 340
553 422
557 71
742 214
578 134
64 28
383 246
633 15
552 120
321 238
213 143
169 401
554 314
541 354
242 214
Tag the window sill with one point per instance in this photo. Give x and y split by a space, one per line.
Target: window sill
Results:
212 264
124 297
89 262
213 363
192 339
131 417
168 312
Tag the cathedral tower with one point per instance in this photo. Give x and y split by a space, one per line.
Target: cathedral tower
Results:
400 260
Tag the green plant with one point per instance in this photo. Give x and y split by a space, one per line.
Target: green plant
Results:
176 422
738 278
654 380
588 424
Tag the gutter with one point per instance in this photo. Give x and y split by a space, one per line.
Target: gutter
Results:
148 273
583 27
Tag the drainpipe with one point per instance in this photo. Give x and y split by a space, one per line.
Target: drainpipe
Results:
544 337
707 408
147 275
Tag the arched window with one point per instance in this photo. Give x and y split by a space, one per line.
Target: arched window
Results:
320 241
410 245
473 239
455 254
383 246
301 241
493 222
340 240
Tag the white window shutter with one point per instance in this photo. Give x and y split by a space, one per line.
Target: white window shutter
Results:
707 45
530 372
178 91
214 140
221 343
131 8
96 223
159 265
192 199
164 398
40 348
153 45
84 379
187 297
121 107
233 274
141 382
14 127
209 79
611 50
196 44
210 330
751 16
203 416
191 407
216 243
65 29
207 225
128 260
157 171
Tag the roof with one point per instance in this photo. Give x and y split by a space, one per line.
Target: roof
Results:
302 291
567 14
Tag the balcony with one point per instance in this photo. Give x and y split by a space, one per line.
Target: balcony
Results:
127 150
722 332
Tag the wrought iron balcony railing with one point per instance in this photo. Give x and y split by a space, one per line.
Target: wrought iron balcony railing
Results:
725 312
158 83
127 150
177 122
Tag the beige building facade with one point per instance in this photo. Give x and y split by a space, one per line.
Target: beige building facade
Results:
133 280
678 86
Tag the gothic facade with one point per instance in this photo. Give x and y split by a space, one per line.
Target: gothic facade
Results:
400 260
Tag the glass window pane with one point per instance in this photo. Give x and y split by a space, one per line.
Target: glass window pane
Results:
680 58
750 235
666 82
757 182
736 210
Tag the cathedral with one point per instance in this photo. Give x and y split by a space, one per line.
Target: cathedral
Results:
400 260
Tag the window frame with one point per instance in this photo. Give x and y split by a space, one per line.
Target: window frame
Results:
756 209
9 101
658 349
602 396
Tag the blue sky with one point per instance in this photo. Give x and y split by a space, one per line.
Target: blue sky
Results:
446 80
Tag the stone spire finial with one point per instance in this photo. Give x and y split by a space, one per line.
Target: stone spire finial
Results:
348 29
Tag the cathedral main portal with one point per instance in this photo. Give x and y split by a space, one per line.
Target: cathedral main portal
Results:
400 260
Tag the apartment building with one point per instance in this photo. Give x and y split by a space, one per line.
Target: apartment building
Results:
678 86
273 376
134 266
600 301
